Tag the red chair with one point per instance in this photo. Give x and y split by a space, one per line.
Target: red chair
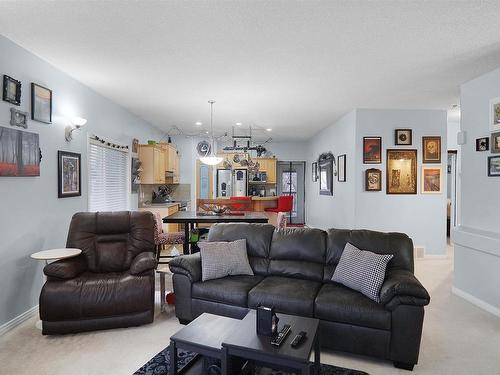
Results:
285 204
241 206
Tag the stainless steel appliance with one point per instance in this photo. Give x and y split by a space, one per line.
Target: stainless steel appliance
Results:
240 182
224 183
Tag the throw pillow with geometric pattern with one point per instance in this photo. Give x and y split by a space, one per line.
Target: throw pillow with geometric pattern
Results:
362 271
221 259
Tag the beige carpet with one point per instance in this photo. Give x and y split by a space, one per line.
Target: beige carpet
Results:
458 339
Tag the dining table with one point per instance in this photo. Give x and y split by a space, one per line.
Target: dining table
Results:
191 218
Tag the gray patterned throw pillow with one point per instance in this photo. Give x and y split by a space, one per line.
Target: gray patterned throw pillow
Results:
221 259
362 271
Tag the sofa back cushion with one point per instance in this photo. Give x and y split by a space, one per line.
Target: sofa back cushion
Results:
258 237
397 244
111 240
299 253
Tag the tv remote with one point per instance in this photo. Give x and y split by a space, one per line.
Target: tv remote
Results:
280 337
299 339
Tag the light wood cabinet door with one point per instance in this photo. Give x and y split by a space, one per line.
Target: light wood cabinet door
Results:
271 171
152 158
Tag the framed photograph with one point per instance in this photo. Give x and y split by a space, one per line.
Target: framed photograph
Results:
495 143
482 144
18 118
495 114
41 104
325 171
432 182
494 166
373 179
341 166
431 150
135 145
314 167
372 150
69 179
11 90
401 173
402 137
19 153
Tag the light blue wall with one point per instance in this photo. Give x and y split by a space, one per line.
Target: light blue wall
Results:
477 240
421 216
32 218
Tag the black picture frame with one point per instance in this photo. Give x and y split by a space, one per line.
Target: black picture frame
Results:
69 172
372 150
482 144
373 179
403 137
341 165
490 166
41 107
7 95
314 171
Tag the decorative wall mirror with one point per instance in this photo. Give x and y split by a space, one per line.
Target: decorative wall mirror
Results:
325 171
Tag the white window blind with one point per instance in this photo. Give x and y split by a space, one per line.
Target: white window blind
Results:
107 179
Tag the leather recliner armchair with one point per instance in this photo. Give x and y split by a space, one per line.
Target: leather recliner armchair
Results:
111 284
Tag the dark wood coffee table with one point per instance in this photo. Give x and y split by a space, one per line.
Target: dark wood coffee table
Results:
245 343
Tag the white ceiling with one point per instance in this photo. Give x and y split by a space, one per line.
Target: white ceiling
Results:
294 67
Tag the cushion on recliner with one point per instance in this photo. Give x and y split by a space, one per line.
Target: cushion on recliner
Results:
298 253
95 295
337 303
232 290
286 295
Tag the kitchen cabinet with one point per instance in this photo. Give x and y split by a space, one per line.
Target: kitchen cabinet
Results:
268 165
165 211
160 164
152 159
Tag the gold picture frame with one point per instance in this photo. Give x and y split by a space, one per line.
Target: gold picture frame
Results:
401 171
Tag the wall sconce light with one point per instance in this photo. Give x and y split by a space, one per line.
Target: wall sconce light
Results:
76 123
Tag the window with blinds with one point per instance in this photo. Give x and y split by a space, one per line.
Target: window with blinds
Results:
107 179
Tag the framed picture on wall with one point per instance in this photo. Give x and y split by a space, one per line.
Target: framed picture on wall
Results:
19 153
69 179
495 143
431 180
41 104
341 166
494 166
314 171
403 137
431 150
401 173
373 179
325 172
11 90
482 144
372 150
495 114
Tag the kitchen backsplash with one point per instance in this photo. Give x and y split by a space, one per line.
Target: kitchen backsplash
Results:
180 192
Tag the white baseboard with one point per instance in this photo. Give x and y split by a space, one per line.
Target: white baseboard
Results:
476 301
11 324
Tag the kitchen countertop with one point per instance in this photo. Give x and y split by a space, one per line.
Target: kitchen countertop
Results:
152 205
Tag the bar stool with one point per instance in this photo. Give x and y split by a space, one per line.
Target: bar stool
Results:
285 204
165 238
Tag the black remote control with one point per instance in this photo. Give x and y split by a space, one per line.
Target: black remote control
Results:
278 339
299 339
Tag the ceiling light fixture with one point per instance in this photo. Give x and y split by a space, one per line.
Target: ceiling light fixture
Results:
269 130
238 124
198 123
211 158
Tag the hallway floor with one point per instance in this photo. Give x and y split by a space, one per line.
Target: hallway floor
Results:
458 338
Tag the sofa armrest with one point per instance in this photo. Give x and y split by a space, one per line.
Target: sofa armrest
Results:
188 265
401 287
66 268
143 262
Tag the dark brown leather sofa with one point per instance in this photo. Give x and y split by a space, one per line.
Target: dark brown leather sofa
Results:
111 284
293 270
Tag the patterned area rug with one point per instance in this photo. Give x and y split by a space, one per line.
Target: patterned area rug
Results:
159 365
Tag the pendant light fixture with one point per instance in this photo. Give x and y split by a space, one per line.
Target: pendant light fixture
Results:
211 158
